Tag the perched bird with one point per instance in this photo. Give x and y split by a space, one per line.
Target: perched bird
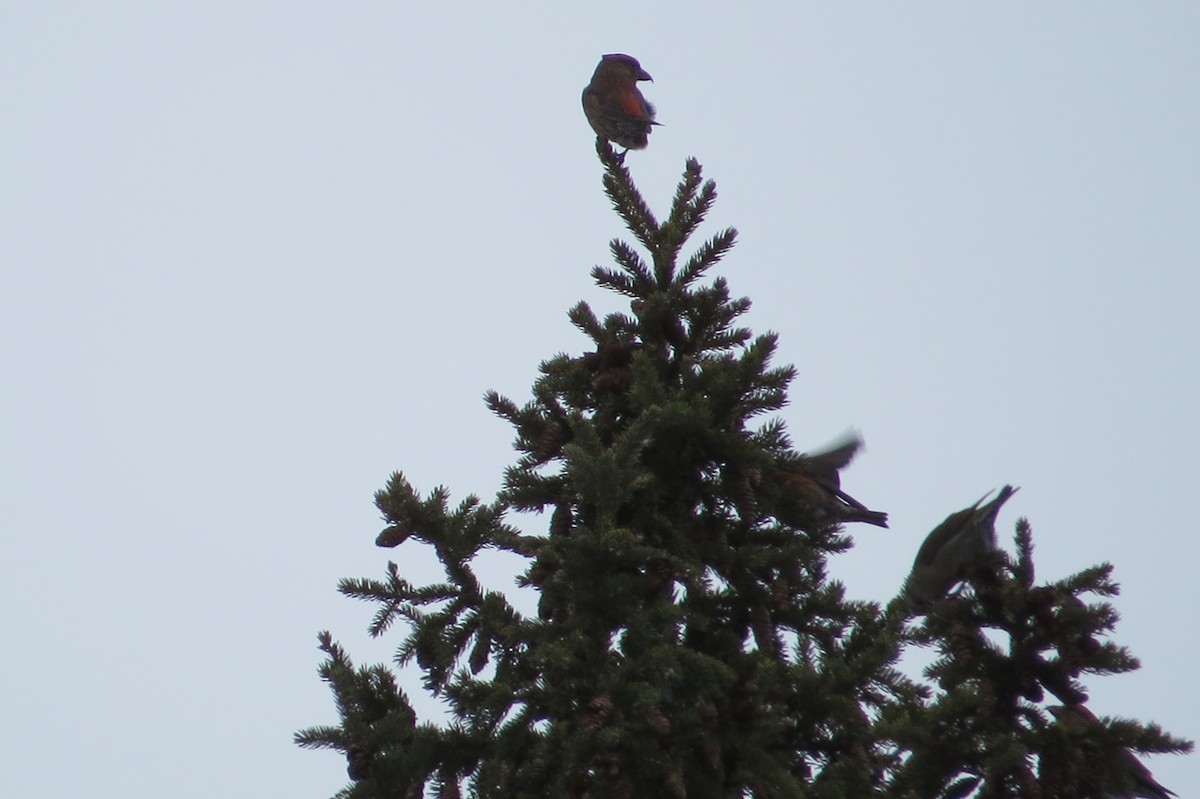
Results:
614 105
814 484
954 549
1121 766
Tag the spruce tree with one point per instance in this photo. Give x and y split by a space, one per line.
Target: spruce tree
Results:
688 641
1008 716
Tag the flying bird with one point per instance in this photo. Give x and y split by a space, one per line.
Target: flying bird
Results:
954 549
614 105
813 483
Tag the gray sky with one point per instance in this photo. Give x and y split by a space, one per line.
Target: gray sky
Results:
256 256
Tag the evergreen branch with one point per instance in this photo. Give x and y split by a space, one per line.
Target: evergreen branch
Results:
709 254
679 225
729 339
713 313
1023 569
1110 658
377 591
686 213
582 317
772 437
525 490
1096 579
626 200
320 737
685 194
699 206
614 281
501 406
632 263
385 615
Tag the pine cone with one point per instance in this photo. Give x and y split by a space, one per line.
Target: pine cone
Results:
358 762
392 536
597 712
562 520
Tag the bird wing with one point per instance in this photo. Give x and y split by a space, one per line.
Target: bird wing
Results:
620 104
937 539
825 464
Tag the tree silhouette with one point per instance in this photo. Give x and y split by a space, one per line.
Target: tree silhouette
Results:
688 641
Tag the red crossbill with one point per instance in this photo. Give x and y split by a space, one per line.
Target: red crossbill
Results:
614 105
956 547
815 482
1121 765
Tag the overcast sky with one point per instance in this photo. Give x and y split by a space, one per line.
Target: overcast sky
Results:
256 256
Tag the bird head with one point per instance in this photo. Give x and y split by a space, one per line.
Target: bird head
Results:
625 65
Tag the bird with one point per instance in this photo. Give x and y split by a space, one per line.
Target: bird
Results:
613 104
814 481
1122 764
954 549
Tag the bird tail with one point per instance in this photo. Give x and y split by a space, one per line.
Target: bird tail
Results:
989 512
991 509
875 517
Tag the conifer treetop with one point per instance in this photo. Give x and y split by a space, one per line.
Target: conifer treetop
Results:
687 640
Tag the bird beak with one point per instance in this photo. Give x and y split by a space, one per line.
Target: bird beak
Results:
644 75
